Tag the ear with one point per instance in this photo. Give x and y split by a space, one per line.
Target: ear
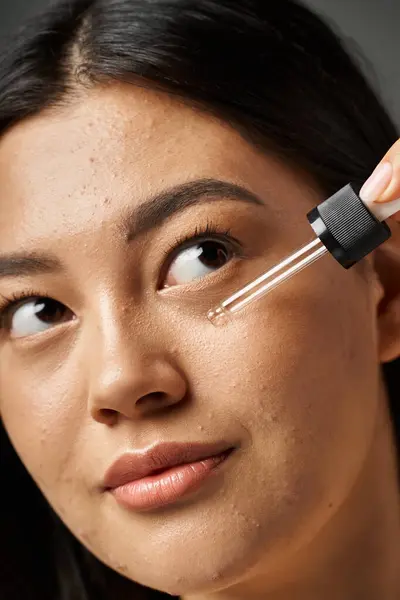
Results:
387 268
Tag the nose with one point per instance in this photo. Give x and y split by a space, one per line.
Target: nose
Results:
128 378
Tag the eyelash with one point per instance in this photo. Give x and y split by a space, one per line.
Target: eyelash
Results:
7 304
199 234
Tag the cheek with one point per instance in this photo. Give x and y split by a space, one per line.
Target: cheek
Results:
45 426
43 423
306 340
299 372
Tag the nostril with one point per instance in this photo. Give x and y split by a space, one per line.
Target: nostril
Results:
108 413
156 397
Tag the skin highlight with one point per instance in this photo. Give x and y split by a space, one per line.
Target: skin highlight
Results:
140 363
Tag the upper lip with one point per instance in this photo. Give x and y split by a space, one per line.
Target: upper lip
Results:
135 465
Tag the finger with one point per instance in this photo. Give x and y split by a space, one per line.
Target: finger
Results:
392 191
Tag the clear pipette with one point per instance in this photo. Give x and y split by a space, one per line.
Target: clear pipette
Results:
346 226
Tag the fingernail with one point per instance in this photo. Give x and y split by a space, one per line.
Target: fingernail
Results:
377 183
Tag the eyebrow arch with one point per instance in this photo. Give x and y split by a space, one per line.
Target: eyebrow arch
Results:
145 217
161 207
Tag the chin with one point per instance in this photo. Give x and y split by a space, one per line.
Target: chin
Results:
205 571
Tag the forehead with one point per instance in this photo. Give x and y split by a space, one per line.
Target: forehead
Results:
114 147
114 130
70 170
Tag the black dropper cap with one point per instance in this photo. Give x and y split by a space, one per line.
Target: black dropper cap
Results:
347 227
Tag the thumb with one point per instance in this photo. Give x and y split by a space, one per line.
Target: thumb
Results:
384 184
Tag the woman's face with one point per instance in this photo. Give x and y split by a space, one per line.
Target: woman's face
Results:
126 358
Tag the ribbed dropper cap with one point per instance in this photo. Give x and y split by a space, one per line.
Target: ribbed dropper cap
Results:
349 227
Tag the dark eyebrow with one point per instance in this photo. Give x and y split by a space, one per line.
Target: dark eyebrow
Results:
161 207
147 216
19 264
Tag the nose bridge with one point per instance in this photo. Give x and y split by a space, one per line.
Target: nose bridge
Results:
114 344
127 364
114 326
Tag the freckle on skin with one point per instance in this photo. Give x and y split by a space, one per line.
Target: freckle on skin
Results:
123 568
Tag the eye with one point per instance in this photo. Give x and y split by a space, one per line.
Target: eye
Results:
27 317
198 260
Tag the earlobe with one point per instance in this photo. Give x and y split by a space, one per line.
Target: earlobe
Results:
387 267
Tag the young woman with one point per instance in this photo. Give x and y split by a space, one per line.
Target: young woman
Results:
155 156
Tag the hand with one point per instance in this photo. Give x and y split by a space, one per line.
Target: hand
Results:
384 183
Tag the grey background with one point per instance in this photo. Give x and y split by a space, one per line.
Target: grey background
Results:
372 25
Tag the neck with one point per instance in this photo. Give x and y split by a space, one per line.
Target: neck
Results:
357 555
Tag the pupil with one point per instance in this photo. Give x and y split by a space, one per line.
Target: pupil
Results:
48 310
213 254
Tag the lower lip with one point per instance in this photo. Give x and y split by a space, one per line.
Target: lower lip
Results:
156 491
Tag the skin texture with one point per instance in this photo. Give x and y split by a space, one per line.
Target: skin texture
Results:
294 382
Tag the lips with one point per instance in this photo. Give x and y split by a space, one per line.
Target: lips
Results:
137 465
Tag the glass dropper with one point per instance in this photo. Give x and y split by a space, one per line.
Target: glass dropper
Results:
346 227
